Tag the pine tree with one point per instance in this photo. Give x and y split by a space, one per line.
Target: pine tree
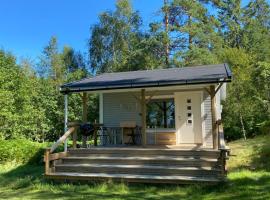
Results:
256 28
193 33
230 16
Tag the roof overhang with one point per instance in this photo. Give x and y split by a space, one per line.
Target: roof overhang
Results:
140 86
100 83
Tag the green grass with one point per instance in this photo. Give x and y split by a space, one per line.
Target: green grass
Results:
249 178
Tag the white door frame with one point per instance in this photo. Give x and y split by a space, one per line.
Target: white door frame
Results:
202 116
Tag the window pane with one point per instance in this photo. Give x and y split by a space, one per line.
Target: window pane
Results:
189 107
160 113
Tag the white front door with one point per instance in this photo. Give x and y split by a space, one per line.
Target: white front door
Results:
188 119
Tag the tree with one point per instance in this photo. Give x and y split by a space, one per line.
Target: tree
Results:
22 112
261 78
61 66
240 92
256 27
230 16
115 39
73 60
193 33
9 73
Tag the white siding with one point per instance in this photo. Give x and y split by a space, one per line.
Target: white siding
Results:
218 105
120 107
208 141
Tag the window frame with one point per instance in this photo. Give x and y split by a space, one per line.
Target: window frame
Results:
162 97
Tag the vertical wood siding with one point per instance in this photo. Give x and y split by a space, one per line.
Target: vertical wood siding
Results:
208 141
120 107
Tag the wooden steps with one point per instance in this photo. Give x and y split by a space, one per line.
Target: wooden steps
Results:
139 165
133 178
136 169
151 160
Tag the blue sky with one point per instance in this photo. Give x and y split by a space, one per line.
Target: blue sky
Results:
27 25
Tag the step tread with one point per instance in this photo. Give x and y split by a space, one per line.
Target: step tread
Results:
134 176
142 149
168 158
136 166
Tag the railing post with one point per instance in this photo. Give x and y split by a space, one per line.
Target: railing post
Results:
74 139
84 117
66 121
213 112
222 159
95 135
143 117
47 161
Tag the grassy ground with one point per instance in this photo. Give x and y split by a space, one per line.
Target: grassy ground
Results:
249 178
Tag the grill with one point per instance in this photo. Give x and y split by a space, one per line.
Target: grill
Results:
87 130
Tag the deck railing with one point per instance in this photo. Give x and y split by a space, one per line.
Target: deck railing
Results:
109 136
49 152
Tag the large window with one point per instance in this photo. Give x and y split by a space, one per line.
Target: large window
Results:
160 113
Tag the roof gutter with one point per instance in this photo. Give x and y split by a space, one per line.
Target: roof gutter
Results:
143 85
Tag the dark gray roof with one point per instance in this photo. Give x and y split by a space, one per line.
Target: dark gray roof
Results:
152 78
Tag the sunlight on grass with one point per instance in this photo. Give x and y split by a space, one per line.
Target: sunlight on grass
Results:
247 154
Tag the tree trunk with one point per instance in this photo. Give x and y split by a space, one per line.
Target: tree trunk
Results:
166 21
243 126
190 35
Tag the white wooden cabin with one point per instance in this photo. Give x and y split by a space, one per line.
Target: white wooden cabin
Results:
166 121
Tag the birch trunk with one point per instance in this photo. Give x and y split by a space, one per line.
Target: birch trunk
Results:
243 126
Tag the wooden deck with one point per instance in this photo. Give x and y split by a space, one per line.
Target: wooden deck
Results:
151 164
175 164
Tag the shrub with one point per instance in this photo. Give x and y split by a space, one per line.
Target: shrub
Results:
22 150
265 127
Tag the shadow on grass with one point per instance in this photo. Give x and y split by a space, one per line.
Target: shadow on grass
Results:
30 171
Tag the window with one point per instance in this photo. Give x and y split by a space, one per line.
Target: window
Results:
189 107
160 113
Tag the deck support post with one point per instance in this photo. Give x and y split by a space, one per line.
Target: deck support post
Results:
47 161
84 117
66 120
74 139
213 112
222 160
143 115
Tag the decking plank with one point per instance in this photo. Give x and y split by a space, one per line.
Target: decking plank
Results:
133 178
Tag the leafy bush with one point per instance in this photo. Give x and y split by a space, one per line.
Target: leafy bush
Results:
265 127
22 150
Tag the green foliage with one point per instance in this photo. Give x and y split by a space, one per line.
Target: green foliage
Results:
22 151
31 104
117 43
193 29
230 16
246 107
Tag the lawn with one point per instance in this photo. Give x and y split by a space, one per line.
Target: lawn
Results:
249 178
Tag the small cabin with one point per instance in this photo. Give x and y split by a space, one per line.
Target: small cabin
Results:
161 125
